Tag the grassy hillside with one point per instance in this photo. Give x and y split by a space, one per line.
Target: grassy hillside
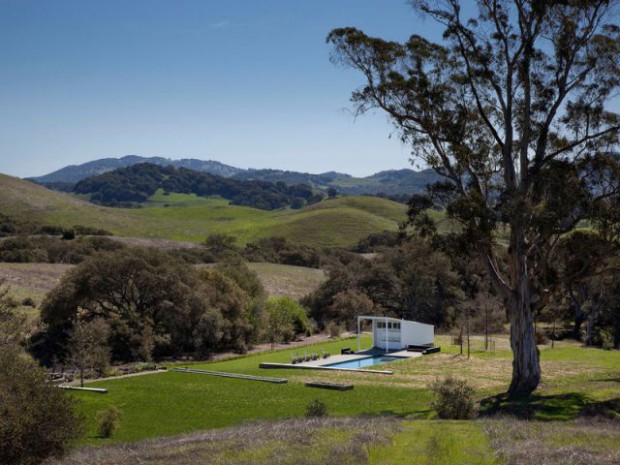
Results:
32 280
35 280
338 222
287 280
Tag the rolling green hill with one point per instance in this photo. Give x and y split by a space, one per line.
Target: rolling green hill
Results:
336 222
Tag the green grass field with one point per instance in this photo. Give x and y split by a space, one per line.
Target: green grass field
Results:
574 379
577 383
173 403
337 222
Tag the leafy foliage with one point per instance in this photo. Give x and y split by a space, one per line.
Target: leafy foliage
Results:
154 305
281 250
108 421
88 346
454 399
316 408
285 319
510 109
37 420
12 325
46 249
410 281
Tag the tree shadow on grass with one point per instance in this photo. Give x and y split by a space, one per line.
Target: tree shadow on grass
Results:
559 407
411 414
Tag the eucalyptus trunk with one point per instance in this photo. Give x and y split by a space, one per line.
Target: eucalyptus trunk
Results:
526 362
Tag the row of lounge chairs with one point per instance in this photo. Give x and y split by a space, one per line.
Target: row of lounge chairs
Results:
308 357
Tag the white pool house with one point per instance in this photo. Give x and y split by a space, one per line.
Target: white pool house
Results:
392 334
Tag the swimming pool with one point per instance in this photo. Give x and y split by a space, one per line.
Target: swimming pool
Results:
364 362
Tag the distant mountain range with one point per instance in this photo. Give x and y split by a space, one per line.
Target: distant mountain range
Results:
403 182
75 173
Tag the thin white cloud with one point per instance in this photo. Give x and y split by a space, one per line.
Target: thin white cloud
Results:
220 24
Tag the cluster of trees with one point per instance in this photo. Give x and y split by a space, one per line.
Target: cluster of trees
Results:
154 305
585 274
281 250
440 279
53 249
275 249
149 304
412 278
135 184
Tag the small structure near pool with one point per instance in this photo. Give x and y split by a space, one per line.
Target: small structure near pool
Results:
392 334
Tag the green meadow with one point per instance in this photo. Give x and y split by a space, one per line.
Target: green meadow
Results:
170 403
577 383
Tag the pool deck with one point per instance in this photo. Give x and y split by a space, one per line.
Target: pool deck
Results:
356 356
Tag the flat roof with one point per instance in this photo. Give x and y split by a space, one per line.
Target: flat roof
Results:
389 318
383 318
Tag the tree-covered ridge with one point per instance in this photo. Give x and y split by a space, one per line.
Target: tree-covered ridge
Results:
137 183
394 184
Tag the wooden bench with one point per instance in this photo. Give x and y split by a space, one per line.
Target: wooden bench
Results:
332 386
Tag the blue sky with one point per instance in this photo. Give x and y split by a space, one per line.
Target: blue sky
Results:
245 82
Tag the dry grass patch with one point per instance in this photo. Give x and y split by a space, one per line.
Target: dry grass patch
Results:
583 442
334 441
490 374
33 280
288 281
481 373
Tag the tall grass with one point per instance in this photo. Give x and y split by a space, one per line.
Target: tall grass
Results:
583 442
317 441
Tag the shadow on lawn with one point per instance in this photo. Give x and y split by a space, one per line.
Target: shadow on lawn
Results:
550 407
412 414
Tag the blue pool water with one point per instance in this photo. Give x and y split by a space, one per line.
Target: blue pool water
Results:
364 362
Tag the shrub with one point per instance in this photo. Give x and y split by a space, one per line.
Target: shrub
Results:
68 234
108 421
37 420
333 329
28 302
454 399
607 339
316 408
285 319
541 337
149 366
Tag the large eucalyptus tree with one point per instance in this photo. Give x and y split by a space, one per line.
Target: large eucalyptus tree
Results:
512 108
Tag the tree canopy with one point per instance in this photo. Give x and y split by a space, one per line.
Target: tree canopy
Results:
154 304
512 109
37 420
